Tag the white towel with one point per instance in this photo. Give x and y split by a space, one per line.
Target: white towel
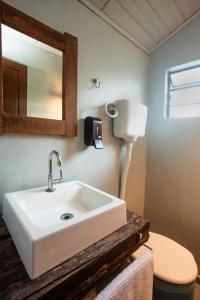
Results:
133 283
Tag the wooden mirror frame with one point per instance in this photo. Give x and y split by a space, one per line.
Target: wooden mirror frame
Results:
66 43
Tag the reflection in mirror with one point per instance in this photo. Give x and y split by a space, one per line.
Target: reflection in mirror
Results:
32 76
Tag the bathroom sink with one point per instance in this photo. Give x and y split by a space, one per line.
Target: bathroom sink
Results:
48 228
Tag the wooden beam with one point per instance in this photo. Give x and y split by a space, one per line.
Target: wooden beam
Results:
70 58
24 23
22 124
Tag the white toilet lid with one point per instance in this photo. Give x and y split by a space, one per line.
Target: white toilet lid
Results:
172 262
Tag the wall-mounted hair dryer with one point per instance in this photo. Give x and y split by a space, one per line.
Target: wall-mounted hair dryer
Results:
129 123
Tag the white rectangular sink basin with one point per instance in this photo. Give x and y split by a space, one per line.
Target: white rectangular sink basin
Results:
48 228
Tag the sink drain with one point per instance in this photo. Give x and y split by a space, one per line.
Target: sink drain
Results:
66 216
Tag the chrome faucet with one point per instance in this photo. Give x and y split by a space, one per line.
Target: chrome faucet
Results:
52 181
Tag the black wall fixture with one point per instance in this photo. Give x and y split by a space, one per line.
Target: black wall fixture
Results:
93 132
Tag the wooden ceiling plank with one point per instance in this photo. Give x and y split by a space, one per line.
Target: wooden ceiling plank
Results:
168 12
99 3
145 16
114 25
174 11
188 7
121 15
179 28
114 11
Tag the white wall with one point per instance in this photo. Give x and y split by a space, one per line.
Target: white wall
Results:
122 70
173 163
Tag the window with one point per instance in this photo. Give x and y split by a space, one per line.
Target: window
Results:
183 91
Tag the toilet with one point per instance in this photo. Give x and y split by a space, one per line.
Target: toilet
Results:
175 269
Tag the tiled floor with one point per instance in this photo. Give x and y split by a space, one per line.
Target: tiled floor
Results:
197 292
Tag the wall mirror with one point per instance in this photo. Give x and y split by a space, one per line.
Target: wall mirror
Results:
38 76
32 76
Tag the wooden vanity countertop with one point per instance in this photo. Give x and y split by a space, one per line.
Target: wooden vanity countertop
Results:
75 276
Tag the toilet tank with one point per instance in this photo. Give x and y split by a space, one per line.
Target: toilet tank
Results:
131 120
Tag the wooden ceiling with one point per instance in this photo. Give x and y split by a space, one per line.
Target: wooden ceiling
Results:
146 23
